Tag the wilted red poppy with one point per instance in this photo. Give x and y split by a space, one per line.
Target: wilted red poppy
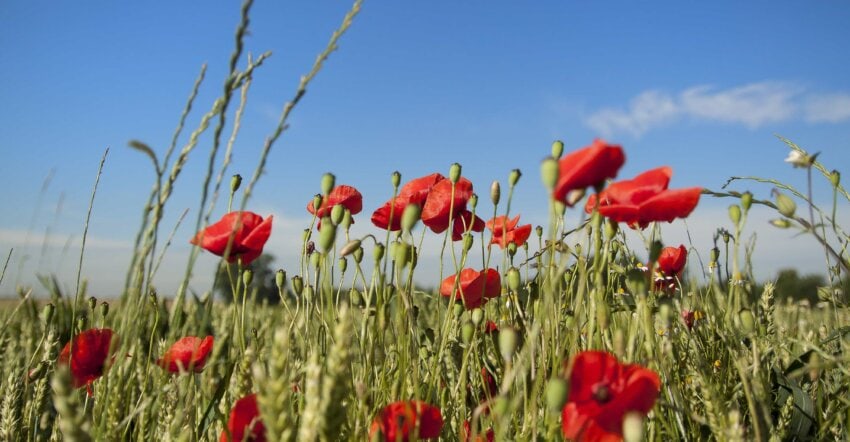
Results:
602 391
189 353
588 166
474 288
90 356
245 422
346 196
464 222
505 231
644 199
480 436
248 230
413 192
442 199
405 419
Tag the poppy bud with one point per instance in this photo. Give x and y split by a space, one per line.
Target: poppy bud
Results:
342 264
378 252
511 248
337 212
280 279
557 149
748 321
457 309
466 332
508 342
539 231
514 177
735 213
247 277
104 309
82 322
49 309
355 298
633 427
495 192
317 202
235 182
395 179
611 228
715 254
514 279
410 217
308 293
747 201
549 172
314 260
454 173
655 251
358 255
92 303
347 219
328 182
782 223
297 284
835 178
401 253
477 316
467 242
350 247
327 234
473 201
785 205
557 392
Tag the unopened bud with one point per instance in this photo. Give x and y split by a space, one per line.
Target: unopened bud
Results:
473 201
104 309
378 252
247 277
358 255
467 330
328 182
402 253
495 192
410 217
782 223
395 179
327 235
454 172
735 214
633 427
714 254
342 264
235 182
347 219
513 177
337 212
92 303
297 284
508 343
539 231
467 242
514 279
280 279
355 298
350 247
511 249
611 228
317 202
557 149
308 293
785 205
746 201
315 260
748 321
835 178
549 172
557 393
477 316
457 309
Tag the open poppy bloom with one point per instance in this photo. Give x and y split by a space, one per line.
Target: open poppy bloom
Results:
189 353
474 287
602 392
485 436
405 420
346 196
413 192
505 231
588 166
671 263
248 230
244 422
445 204
645 199
89 356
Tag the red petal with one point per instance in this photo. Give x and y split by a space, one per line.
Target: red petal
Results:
492 283
470 288
381 217
587 167
672 260
416 190
621 213
90 355
245 418
519 235
252 245
462 223
187 353
637 189
435 212
669 205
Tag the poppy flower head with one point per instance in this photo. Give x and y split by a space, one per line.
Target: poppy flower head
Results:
188 353
249 233
474 287
672 260
346 196
404 420
88 355
645 199
602 392
413 192
588 166
505 231
445 202
244 422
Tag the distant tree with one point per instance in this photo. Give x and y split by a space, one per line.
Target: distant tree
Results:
263 281
789 284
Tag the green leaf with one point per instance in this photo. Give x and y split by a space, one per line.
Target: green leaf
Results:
802 416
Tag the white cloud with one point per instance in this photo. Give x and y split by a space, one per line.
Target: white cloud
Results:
21 238
828 108
752 105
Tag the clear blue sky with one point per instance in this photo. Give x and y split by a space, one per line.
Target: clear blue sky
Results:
701 87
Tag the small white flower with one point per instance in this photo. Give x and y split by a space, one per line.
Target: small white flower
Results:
798 159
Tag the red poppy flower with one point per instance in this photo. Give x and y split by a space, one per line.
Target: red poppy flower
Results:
347 196
588 166
435 212
644 199
189 353
399 421
486 436
413 192
90 356
464 222
491 327
672 260
475 287
248 230
602 391
505 231
245 422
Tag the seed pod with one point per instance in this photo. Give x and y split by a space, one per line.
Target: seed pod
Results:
280 279
508 343
748 321
337 212
317 202
315 260
782 223
513 177
395 179
347 219
355 298
342 264
378 252
557 393
735 214
514 279
715 254
511 249
495 192
104 309
785 205
235 183
467 330
633 427
549 172
454 172
327 234
467 242
477 316
328 182
746 201
297 284
557 149
247 277
539 231
358 255
473 202
457 309
835 178
92 303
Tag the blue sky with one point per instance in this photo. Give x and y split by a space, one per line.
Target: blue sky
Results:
702 87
